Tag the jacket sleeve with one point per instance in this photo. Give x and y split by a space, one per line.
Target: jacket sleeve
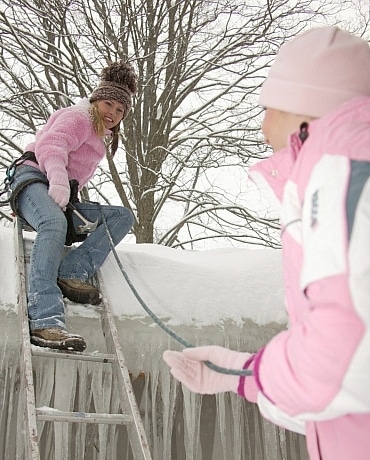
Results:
65 132
319 368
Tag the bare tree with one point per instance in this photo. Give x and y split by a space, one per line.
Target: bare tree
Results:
200 64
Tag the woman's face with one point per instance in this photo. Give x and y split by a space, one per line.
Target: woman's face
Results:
273 129
111 111
278 125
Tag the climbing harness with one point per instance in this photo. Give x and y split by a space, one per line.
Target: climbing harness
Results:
9 176
72 236
182 341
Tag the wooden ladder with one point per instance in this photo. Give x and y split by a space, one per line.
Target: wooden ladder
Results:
130 415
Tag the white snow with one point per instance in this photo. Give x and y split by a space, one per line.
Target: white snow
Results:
181 287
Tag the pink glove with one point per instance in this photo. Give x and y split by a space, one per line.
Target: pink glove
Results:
60 194
188 367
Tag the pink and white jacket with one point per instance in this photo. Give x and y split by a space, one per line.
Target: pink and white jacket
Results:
67 146
314 378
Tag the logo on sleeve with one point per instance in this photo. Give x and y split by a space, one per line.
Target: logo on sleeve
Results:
314 209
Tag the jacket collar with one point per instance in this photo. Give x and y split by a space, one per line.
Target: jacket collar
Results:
276 169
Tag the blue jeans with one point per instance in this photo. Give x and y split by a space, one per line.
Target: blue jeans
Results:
45 300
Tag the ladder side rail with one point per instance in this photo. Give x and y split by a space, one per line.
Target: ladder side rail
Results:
26 375
137 436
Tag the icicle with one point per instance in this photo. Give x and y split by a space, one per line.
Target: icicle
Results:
221 417
237 426
155 410
192 407
169 391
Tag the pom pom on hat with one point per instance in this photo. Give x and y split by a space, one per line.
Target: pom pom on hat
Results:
118 82
317 71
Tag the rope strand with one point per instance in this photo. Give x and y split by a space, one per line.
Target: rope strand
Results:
185 343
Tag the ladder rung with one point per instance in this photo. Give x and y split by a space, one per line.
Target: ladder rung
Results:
96 357
55 415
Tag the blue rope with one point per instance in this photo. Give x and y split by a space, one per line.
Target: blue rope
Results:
185 343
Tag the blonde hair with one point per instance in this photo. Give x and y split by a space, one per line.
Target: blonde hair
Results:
99 127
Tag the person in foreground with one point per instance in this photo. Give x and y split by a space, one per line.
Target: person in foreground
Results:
67 150
314 377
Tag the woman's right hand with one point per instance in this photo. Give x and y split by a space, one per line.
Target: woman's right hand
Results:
189 368
60 194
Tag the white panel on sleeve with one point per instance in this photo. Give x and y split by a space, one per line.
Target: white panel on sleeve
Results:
277 416
323 220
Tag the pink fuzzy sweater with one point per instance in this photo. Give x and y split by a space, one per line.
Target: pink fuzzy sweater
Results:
67 147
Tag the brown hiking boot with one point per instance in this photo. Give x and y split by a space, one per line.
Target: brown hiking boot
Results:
78 291
57 338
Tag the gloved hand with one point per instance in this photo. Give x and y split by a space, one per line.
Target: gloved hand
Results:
189 368
60 194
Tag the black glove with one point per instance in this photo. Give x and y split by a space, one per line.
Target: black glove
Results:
72 236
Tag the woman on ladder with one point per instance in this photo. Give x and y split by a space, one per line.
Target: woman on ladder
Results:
66 150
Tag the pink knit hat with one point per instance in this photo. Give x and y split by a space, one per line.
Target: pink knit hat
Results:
317 71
